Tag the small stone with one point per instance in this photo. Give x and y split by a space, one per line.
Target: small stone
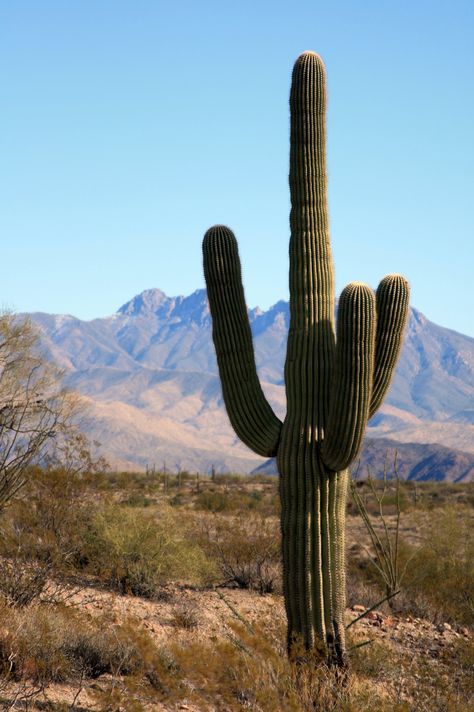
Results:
464 632
444 627
358 608
96 686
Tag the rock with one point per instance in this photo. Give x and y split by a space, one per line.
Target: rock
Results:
464 632
358 608
374 616
444 628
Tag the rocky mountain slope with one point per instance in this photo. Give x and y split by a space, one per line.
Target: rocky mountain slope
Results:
411 461
150 376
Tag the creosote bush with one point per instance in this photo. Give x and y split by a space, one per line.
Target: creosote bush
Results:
136 551
246 549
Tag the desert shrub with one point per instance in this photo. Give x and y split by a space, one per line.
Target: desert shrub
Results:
47 644
246 548
46 524
22 582
438 575
250 670
440 578
213 501
238 499
137 500
136 551
186 615
64 528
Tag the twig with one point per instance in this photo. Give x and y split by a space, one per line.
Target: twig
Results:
361 645
235 612
372 608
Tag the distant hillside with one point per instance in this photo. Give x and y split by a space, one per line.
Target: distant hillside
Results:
415 461
149 373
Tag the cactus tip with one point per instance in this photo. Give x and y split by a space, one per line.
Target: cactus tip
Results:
395 279
309 56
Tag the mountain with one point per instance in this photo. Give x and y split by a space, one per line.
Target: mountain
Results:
415 461
149 374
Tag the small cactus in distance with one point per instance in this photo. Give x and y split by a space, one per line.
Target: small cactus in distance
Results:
333 385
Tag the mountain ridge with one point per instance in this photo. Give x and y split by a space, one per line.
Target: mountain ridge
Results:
150 367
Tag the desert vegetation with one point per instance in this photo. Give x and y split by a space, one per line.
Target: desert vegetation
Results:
134 591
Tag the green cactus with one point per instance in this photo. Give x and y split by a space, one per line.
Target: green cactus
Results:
332 385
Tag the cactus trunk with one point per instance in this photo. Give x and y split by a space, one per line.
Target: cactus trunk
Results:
334 381
307 486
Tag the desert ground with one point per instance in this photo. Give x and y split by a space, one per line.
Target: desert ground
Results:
153 591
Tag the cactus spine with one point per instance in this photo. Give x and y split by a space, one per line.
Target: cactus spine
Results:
332 385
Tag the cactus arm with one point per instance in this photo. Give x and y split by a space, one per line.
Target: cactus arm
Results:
392 312
249 412
352 384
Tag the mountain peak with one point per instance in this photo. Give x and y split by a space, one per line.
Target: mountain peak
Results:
150 300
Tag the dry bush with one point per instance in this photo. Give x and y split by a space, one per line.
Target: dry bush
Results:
438 572
41 645
246 549
47 523
385 555
250 670
440 578
238 499
186 615
22 582
49 644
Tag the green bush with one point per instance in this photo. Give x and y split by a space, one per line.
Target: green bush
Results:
137 551
213 501
238 499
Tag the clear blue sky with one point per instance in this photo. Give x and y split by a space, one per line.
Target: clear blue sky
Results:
128 127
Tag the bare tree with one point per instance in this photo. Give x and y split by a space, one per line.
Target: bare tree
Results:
35 409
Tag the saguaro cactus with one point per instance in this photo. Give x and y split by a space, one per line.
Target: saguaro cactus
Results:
332 385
